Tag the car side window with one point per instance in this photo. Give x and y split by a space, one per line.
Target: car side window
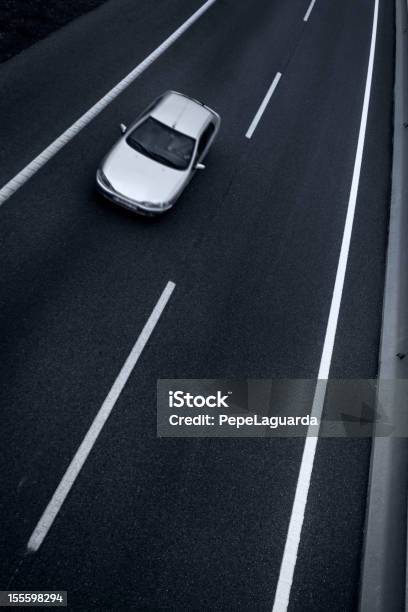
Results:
205 137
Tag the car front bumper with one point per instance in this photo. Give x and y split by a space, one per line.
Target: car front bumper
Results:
142 208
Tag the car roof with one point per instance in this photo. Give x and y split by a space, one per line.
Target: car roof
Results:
182 113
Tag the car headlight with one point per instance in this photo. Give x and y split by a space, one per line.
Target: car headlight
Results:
158 205
103 180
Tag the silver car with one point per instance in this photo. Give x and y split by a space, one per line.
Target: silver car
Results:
148 168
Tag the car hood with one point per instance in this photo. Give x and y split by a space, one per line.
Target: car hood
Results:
139 178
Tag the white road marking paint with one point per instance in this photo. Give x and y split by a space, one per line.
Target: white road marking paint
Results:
309 10
290 553
264 104
64 487
38 162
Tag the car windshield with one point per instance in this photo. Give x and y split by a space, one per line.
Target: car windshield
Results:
162 143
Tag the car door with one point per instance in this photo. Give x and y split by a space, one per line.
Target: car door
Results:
205 140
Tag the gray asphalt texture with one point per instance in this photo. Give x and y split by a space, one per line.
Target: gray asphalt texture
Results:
24 22
252 245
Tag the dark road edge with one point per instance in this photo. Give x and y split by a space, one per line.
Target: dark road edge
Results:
383 572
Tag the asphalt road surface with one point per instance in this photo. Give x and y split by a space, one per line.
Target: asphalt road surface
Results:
252 247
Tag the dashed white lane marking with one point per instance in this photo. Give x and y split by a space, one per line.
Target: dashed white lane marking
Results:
290 553
309 10
64 487
263 106
38 162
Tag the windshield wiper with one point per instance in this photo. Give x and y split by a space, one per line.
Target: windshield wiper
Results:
152 154
139 147
160 158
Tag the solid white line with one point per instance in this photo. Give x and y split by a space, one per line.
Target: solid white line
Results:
264 104
54 506
290 553
309 10
38 162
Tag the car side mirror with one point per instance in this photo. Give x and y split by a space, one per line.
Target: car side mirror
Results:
123 128
200 166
